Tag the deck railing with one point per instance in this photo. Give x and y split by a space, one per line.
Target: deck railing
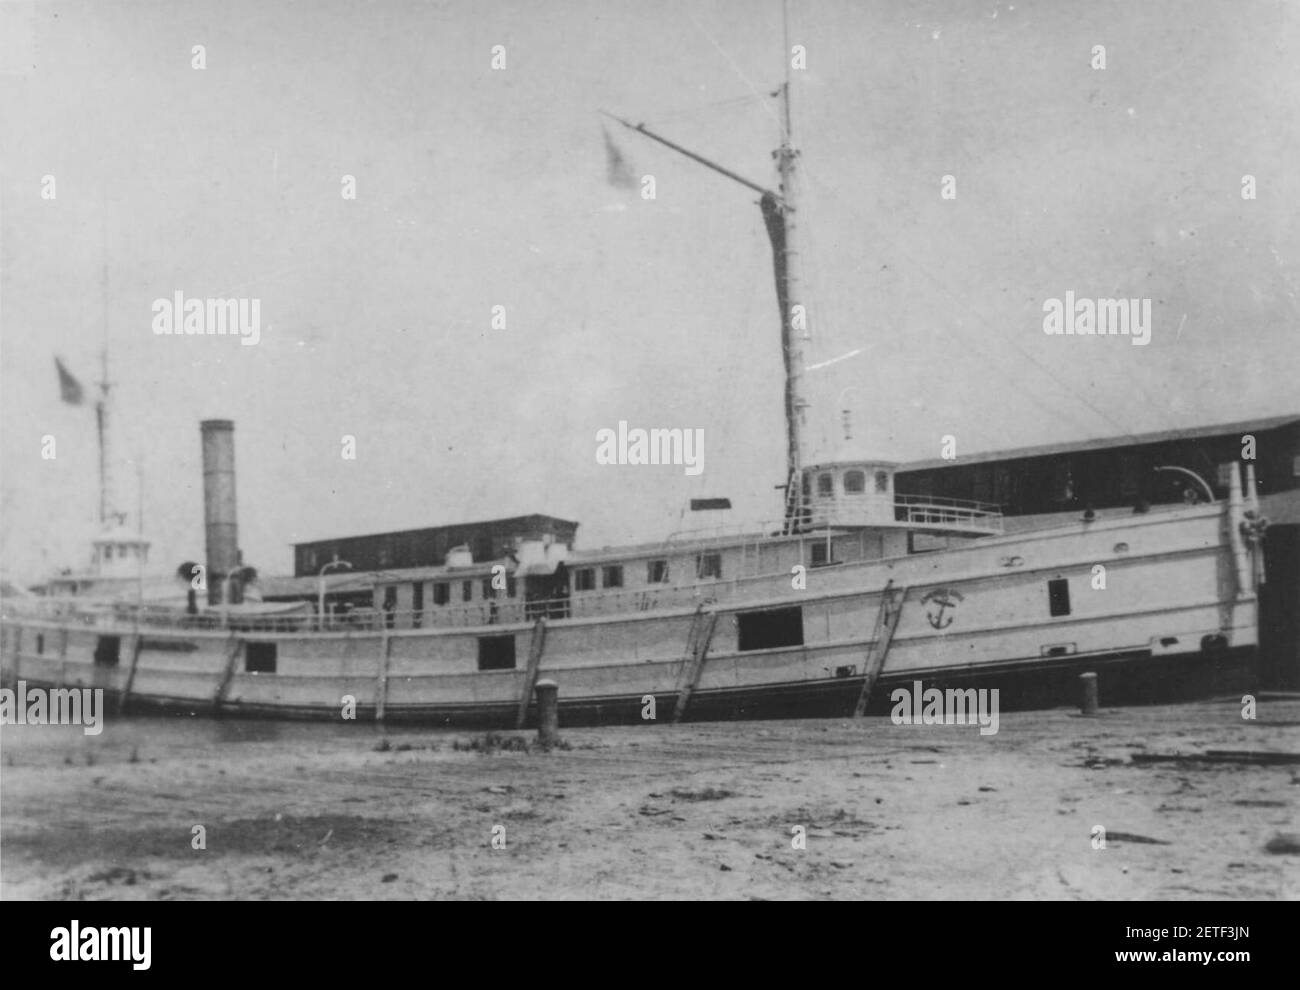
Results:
504 611
928 510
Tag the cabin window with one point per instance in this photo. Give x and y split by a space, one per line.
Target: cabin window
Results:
818 554
259 658
855 482
656 572
108 651
1058 596
488 590
390 605
825 485
40 642
510 586
612 576
441 593
417 604
467 591
496 653
882 482
584 579
708 565
108 553
770 629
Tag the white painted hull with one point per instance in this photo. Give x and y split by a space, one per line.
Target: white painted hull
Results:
1171 603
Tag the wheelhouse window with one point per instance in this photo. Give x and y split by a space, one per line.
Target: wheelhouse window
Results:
855 482
488 590
467 591
612 576
584 579
441 593
882 482
825 485
417 603
818 555
656 572
708 565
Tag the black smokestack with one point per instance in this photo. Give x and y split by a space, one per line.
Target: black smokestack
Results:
220 527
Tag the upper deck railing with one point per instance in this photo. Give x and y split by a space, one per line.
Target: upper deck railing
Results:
840 510
506 611
927 510
821 516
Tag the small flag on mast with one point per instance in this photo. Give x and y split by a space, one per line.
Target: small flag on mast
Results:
70 389
620 172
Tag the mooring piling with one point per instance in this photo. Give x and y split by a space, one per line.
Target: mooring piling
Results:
1088 694
548 712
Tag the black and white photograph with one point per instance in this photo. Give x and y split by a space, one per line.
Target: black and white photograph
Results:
732 450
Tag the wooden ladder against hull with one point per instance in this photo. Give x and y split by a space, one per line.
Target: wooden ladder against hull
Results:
891 607
125 696
535 650
697 649
228 674
381 684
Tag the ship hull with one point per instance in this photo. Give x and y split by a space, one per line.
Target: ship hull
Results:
1166 617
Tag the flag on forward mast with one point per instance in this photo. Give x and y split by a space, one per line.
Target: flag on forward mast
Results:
619 171
70 389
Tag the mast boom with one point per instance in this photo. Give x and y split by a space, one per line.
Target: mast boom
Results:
641 129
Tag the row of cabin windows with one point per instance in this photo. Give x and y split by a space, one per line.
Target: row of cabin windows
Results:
707 565
442 592
855 483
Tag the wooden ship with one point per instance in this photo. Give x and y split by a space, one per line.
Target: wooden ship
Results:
854 589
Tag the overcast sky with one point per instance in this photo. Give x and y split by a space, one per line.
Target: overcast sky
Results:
479 187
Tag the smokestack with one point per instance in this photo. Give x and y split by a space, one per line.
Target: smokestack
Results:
220 527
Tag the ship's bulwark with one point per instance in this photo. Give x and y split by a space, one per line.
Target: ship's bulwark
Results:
1022 614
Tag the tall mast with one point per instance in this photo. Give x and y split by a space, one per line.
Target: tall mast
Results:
780 219
107 510
782 225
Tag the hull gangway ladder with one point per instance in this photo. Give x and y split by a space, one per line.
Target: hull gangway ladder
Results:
535 649
891 607
703 623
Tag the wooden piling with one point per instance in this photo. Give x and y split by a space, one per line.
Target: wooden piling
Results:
1088 694
548 712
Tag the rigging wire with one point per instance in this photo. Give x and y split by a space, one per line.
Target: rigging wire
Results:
987 324
733 102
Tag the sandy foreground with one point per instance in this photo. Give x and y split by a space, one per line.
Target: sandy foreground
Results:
653 812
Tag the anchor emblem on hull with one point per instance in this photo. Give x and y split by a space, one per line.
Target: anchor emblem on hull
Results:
937 605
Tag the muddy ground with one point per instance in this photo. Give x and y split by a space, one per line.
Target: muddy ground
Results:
655 812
